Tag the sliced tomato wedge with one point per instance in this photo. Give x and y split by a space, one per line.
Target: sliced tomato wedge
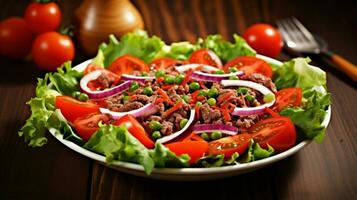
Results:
135 128
86 126
250 65
195 149
163 63
91 68
126 64
288 97
278 132
72 108
205 56
229 145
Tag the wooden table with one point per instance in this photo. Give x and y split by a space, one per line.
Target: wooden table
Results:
320 171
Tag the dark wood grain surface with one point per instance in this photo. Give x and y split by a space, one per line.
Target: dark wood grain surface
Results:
319 171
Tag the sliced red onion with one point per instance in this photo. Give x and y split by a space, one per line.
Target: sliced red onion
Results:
201 76
103 93
183 68
146 110
251 110
127 77
173 136
208 128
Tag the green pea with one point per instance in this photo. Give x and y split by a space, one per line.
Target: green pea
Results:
134 86
242 90
211 101
233 78
194 86
156 134
199 104
144 74
216 135
213 92
155 125
159 73
268 97
186 98
169 79
83 97
249 98
126 98
205 136
219 71
183 123
179 78
148 91
76 94
202 93
232 69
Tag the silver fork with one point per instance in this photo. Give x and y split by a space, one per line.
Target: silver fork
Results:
298 38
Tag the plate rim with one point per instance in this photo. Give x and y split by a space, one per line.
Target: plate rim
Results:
122 165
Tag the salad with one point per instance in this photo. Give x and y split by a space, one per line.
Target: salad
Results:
208 104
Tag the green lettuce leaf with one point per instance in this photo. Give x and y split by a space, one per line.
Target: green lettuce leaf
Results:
224 49
116 143
179 51
298 73
136 43
66 79
260 153
163 157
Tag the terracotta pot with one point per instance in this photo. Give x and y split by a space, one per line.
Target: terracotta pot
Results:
96 19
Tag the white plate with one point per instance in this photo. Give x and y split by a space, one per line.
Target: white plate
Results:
188 174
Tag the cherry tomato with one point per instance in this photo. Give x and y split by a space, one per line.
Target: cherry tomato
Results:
278 132
135 128
50 50
264 38
72 108
15 38
288 97
250 65
195 149
229 145
128 63
87 125
163 63
205 56
43 17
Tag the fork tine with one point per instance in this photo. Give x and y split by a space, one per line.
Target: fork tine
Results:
284 32
303 29
295 31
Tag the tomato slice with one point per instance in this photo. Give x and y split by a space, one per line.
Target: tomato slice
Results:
86 126
135 128
126 64
205 56
250 65
229 145
91 68
195 149
72 108
163 63
278 132
288 97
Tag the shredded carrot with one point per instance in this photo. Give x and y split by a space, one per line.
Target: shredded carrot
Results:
200 98
160 80
202 85
167 87
197 112
134 97
187 77
173 109
165 96
224 97
193 98
226 115
159 100
271 112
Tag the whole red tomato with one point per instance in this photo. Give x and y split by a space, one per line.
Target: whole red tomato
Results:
15 38
43 17
264 38
50 50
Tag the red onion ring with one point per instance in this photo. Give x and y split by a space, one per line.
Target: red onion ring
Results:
127 77
226 129
183 68
251 110
173 136
146 110
201 76
103 93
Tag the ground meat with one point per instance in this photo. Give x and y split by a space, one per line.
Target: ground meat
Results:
172 94
115 102
183 89
247 121
128 106
160 107
155 118
167 128
142 98
175 119
209 115
259 78
105 81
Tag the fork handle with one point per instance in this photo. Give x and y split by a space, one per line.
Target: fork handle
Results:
345 66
